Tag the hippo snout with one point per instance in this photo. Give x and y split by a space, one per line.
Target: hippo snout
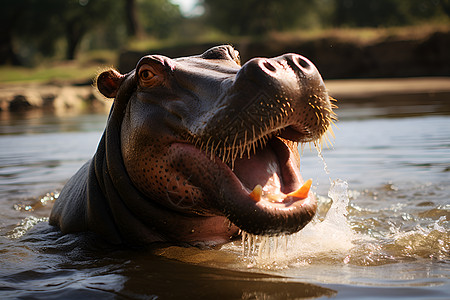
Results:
284 95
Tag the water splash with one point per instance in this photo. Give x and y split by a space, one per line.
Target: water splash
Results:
378 232
318 238
333 234
325 165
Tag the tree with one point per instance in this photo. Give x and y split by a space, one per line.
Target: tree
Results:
80 17
133 24
9 16
41 24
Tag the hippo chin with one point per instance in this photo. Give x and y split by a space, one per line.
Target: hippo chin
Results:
198 148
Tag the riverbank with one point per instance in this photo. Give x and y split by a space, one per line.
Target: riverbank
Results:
51 98
338 54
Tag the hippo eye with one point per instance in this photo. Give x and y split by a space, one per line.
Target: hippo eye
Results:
146 75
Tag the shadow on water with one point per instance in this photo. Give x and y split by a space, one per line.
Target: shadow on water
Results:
46 264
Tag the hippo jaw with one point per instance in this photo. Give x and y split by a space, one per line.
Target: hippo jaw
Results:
263 194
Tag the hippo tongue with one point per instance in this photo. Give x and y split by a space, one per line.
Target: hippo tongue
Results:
262 168
272 167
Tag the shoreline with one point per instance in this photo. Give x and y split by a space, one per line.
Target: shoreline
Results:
71 99
358 89
51 98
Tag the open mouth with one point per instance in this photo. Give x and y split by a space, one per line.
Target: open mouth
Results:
268 196
249 164
260 191
272 175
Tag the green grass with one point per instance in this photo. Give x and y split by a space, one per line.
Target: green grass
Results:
84 68
44 74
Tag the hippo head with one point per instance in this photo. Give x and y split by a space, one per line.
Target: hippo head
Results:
214 143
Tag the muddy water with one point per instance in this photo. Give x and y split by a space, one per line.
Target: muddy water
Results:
382 230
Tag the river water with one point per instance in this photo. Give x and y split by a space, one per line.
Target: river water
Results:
382 229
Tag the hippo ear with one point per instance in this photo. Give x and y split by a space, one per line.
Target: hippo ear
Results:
108 83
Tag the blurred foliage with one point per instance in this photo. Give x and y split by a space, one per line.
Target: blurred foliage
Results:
374 13
239 17
159 18
261 16
31 30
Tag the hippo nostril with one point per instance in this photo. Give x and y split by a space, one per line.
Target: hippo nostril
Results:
269 66
305 64
300 60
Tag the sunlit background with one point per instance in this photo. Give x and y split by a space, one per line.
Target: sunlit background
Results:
35 32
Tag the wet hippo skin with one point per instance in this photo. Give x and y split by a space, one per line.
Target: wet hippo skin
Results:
198 148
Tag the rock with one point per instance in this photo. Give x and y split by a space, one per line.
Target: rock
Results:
19 104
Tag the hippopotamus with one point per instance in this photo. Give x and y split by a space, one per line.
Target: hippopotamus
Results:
199 149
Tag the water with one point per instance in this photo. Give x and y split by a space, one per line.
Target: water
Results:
382 228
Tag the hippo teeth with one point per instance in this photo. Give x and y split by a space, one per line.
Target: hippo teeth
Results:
300 194
256 194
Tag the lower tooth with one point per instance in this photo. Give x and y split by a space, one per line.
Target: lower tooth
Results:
256 194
